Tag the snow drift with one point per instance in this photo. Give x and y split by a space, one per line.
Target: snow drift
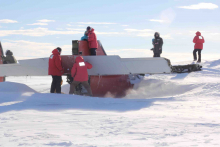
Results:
14 87
152 88
24 98
189 117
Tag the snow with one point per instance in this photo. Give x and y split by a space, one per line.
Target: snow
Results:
14 87
177 110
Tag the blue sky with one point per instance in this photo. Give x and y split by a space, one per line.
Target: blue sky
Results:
125 27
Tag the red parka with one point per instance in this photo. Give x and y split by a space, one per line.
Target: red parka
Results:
198 40
92 39
55 64
79 71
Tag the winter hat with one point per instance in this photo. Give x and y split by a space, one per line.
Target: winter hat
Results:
88 28
59 49
6 51
156 33
198 33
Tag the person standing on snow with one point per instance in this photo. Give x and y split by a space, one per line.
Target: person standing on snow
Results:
92 39
55 70
198 40
80 75
158 44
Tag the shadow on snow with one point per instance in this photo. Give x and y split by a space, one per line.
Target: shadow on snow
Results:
59 102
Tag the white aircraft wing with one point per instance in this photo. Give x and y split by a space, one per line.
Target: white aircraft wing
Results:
102 65
31 67
114 65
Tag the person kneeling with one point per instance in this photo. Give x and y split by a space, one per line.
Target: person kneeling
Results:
80 75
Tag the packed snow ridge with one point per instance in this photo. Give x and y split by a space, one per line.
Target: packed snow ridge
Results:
162 110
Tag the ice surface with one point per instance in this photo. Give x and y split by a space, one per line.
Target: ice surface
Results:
175 110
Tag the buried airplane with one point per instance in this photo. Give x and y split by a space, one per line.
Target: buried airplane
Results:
110 75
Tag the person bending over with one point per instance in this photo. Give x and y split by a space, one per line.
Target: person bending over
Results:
80 75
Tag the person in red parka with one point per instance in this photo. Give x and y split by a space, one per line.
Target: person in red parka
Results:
55 70
92 39
80 75
198 40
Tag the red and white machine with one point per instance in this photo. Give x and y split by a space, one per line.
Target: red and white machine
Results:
109 75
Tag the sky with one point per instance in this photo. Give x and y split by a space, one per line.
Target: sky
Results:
32 29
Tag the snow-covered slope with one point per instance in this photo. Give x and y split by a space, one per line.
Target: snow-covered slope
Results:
178 110
14 87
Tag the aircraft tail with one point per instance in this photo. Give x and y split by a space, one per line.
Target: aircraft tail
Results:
2 79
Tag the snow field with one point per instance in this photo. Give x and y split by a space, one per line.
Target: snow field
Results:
177 110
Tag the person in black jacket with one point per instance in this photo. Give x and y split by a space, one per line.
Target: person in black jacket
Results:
9 59
158 44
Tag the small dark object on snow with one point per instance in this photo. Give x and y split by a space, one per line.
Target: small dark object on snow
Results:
140 75
186 68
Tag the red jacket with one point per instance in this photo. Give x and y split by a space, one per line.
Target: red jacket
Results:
79 71
198 40
92 39
55 64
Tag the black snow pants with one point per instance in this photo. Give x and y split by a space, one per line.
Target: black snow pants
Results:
156 54
56 84
199 53
93 51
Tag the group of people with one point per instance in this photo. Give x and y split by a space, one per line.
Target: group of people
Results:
79 69
198 40
78 72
